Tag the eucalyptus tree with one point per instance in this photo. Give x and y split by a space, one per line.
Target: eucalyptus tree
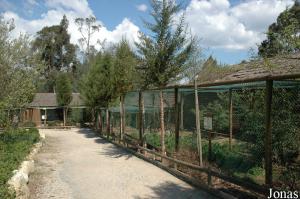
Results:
87 27
55 50
166 50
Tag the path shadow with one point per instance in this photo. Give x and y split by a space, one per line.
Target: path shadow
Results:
88 133
115 152
109 151
170 190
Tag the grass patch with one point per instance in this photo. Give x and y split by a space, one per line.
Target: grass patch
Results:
15 144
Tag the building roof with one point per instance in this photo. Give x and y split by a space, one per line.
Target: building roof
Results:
280 67
49 100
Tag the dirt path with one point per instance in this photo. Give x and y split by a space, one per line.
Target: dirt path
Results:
77 164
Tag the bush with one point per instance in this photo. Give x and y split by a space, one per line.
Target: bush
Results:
54 123
28 124
15 144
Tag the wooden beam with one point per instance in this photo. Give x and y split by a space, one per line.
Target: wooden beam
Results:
268 133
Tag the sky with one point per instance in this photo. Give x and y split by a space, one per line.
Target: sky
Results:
227 29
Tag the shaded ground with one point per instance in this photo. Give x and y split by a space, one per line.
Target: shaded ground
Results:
77 164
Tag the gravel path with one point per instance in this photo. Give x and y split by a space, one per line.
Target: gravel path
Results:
77 164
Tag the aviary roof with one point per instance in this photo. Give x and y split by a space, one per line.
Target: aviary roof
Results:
49 100
271 68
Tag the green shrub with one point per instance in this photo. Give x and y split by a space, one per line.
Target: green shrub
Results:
54 123
27 124
15 144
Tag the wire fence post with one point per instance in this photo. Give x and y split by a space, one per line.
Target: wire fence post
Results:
268 133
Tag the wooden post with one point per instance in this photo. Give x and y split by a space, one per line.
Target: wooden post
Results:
141 118
209 159
199 139
268 133
177 124
45 120
230 119
121 119
111 128
181 110
100 121
107 123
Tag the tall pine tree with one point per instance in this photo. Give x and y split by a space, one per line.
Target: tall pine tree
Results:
165 52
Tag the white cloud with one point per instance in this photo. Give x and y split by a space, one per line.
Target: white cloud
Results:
142 7
221 25
72 9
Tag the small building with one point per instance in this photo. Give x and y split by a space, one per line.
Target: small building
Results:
44 108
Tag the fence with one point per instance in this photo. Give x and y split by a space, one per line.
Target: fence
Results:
44 117
250 133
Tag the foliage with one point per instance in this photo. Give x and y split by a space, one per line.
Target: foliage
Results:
283 35
15 144
166 51
18 68
77 115
124 65
219 111
97 86
27 124
63 89
55 50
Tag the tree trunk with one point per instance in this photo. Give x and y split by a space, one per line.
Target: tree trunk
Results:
107 123
162 122
199 139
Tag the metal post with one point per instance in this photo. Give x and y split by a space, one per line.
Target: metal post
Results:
268 133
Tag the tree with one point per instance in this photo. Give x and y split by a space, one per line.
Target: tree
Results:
283 36
56 51
18 68
87 27
124 65
166 51
97 85
64 92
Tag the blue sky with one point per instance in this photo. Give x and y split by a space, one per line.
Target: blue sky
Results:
227 28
